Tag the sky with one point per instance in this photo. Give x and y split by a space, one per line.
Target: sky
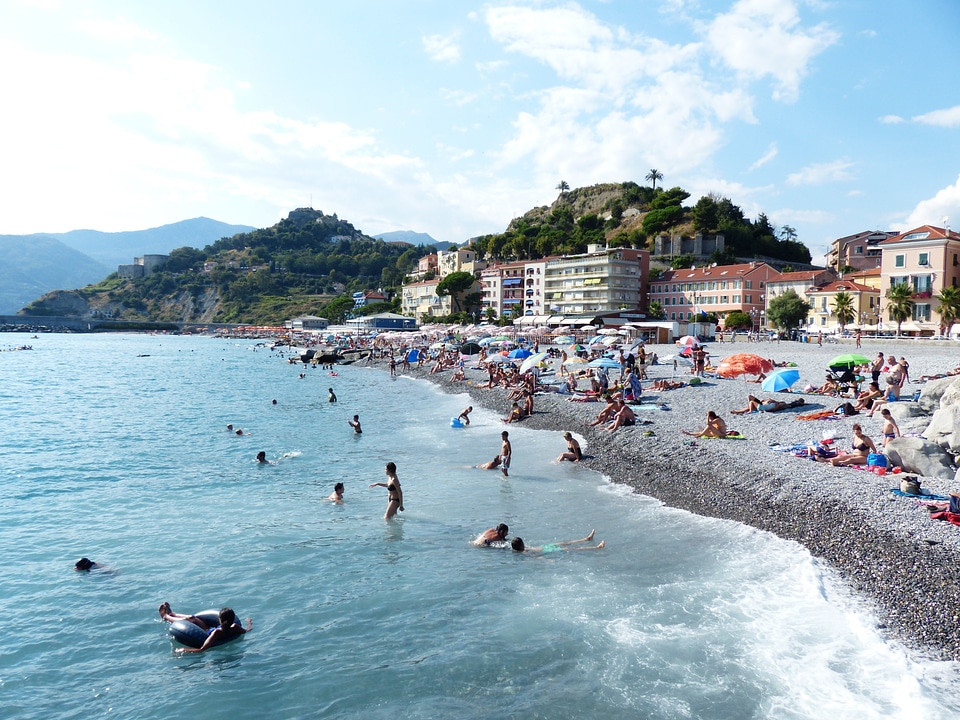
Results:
452 118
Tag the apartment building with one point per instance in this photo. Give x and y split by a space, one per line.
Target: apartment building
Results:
799 282
714 289
860 251
600 280
927 259
823 316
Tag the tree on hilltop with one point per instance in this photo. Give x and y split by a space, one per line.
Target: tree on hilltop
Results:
563 187
653 176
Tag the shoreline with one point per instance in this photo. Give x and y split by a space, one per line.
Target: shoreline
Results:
886 548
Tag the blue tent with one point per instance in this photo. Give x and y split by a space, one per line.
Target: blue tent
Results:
413 355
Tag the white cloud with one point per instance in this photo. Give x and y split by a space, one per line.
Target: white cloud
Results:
442 48
819 173
761 38
892 119
458 97
115 30
950 117
946 203
767 157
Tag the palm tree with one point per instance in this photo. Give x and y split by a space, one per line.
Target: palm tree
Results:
843 308
653 176
900 303
949 308
562 186
655 310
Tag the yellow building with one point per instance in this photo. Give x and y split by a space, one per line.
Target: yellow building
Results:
823 317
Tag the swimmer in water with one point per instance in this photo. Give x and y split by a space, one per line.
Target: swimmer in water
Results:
262 458
518 546
85 564
355 424
337 495
332 397
228 629
493 535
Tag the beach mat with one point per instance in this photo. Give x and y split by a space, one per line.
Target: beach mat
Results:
921 496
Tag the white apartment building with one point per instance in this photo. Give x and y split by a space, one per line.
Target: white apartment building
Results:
600 280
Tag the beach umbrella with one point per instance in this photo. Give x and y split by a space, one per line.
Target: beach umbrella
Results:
688 340
743 364
469 348
848 360
498 358
780 380
575 360
577 348
519 354
607 331
502 338
531 361
563 340
612 340
486 341
604 362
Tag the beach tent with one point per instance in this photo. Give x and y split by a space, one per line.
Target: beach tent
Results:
413 355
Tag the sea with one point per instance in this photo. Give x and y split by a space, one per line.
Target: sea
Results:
115 447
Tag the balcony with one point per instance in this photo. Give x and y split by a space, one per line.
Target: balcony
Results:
922 295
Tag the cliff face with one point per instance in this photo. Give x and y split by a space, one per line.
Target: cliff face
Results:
181 306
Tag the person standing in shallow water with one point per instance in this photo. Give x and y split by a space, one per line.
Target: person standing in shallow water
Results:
355 424
394 493
332 397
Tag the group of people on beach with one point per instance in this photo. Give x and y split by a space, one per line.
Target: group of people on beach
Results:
496 537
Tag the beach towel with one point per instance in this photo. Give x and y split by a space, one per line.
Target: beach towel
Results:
948 516
921 496
734 436
822 415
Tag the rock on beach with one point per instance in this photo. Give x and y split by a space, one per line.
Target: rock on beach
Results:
886 547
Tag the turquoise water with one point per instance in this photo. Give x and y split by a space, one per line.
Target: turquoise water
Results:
126 460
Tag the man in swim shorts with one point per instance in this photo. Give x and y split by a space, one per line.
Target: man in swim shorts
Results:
465 415
506 451
355 424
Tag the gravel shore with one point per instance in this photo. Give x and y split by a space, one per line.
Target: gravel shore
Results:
886 547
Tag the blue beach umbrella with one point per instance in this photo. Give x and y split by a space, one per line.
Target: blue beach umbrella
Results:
520 353
780 380
604 362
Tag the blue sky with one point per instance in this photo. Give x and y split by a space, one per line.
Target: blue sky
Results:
453 117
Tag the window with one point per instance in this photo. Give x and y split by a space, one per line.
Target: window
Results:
921 312
858 250
748 298
924 259
900 261
749 285
673 316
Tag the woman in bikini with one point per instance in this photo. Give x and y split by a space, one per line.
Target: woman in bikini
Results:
394 493
862 446
573 453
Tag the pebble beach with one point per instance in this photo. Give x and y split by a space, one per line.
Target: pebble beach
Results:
885 546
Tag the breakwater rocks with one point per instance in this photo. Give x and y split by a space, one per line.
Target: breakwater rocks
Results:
885 547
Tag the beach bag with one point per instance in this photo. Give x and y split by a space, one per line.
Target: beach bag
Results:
910 485
954 503
876 460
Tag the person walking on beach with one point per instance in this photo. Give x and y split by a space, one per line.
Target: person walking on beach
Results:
355 424
859 335
506 451
394 493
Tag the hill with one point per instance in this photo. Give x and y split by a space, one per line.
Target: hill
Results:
630 215
119 248
307 263
35 264
414 238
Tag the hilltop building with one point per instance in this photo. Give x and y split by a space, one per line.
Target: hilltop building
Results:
142 266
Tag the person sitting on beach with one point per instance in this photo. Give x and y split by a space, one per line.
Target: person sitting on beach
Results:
624 417
228 629
573 453
890 430
606 414
494 535
715 427
866 398
518 546
829 387
337 495
457 375
668 385
862 447
516 414
464 415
